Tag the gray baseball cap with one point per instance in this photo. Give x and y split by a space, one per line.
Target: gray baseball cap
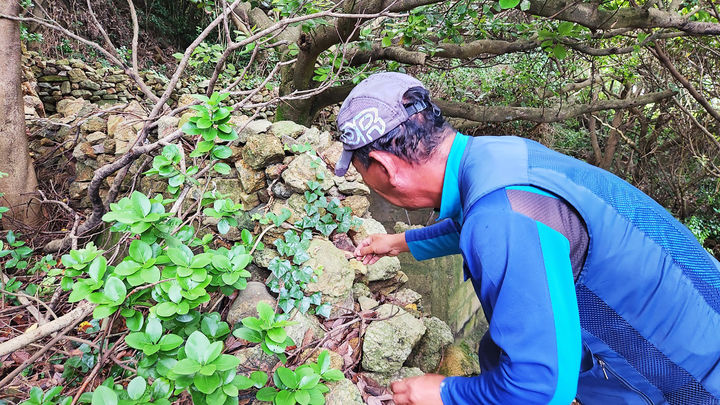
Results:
372 109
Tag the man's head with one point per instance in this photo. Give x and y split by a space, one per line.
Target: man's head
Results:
389 128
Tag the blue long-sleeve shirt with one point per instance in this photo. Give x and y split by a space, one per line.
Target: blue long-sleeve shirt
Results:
521 248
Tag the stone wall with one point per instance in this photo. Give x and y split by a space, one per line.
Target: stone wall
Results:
56 79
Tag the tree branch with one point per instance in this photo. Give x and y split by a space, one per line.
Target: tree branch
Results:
590 16
536 114
663 58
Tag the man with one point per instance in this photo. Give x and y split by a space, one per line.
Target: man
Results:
591 289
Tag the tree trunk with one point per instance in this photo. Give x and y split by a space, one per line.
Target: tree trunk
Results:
21 182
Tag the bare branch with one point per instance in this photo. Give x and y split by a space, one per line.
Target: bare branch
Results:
663 58
589 14
547 114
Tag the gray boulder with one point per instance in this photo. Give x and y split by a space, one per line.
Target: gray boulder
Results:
305 322
300 171
429 351
403 373
337 276
384 269
246 302
286 128
343 392
389 342
262 150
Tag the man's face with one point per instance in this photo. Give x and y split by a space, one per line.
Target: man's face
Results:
398 191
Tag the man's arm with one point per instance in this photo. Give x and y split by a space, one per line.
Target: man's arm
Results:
523 275
440 239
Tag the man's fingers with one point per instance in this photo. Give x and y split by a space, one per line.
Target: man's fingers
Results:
398 387
401 399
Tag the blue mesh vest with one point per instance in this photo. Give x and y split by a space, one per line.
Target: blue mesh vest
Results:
648 294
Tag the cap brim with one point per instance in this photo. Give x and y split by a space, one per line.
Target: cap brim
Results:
342 166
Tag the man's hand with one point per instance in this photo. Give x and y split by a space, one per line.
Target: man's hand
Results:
377 245
423 390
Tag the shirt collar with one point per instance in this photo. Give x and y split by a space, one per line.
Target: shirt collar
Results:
450 206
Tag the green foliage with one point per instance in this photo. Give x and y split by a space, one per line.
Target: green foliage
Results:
268 330
49 397
303 385
205 371
19 253
224 210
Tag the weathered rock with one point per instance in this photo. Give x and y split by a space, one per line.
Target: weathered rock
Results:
247 129
388 378
359 268
459 360
343 392
353 188
167 125
253 358
358 204
389 342
337 277
70 106
384 269
122 131
263 257
280 190
90 85
368 227
83 151
77 75
96 137
367 303
300 171
405 296
246 302
286 128
361 290
94 124
251 180
429 351
316 139
387 287
305 322
273 171
262 150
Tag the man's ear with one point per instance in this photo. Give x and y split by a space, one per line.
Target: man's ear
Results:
390 163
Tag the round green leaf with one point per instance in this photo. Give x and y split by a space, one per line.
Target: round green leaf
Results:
333 375
186 367
505 4
140 251
226 362
170 341
266 394
248 334
222 168
137 340
154 330
104 396
97 268
302 397
136 387
166 309
197 347
287 377
285 398
206 383
115 290
277 335
151 275
103 311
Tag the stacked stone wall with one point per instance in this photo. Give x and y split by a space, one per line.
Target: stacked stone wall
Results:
53 80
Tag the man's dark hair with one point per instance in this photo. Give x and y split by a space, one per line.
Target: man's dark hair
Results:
416 139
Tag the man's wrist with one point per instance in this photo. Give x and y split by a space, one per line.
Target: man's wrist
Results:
400 243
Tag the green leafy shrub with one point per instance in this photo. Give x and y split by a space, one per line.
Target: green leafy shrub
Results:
268 330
